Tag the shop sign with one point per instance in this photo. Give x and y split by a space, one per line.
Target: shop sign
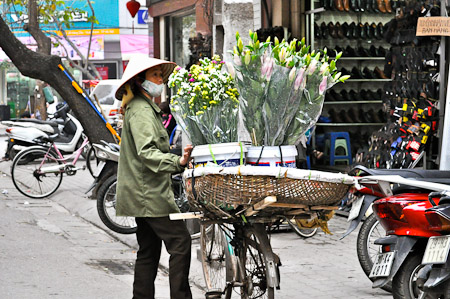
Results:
103 71
433 26
143 17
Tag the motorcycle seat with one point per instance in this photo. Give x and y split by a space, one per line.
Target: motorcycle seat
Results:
50 138
53 123
408 173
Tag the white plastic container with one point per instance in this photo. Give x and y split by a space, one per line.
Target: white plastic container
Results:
271 156
225 154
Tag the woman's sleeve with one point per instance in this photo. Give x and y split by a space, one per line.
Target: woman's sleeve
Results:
147 137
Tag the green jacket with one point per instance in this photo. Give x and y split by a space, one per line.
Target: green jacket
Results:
144 186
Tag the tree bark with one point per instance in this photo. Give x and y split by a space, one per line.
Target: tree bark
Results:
45 67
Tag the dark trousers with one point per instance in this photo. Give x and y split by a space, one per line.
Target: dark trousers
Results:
150 234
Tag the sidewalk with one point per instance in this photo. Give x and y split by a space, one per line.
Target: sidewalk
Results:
71 197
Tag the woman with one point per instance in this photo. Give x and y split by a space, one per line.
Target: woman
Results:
144 179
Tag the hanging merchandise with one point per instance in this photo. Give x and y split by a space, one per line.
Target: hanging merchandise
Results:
412 97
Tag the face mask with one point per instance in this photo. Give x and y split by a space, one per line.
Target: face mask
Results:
153 89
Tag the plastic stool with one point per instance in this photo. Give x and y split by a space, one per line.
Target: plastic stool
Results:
336 140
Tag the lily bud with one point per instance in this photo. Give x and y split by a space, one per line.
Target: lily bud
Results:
299 79
282 55
237 60
323 85
240 45
277 42
231 70
323 68
343 78
247 58
338 55
268 40
237 35
312 67
292 73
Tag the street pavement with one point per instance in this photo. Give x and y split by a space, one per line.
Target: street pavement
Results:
59 248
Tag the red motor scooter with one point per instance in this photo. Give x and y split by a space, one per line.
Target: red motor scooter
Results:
407 229
361 212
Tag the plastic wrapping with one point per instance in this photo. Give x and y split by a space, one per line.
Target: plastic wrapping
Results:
205 104
310 107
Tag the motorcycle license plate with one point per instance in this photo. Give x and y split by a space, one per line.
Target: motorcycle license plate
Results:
383 264
356 207
437 250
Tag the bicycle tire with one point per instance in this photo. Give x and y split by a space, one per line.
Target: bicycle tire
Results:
106 208
91 158
253 257
215 257
366 250
302 232
26 175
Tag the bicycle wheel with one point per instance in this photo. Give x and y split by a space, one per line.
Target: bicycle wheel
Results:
253 258
106 208
302 232
32 175
215 257
91 161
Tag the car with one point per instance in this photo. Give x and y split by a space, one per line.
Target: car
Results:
105 93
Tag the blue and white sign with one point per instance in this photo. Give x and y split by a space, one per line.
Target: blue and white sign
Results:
143 17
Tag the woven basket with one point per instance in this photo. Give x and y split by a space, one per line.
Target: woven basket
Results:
227 192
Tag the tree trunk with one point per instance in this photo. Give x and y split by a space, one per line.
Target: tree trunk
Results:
45 68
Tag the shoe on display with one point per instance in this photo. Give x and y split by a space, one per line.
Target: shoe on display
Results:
380 74
317 33
362 31
363 52
373 51
332 30
339 31
354 5
324 30
354 96
381 6
339 5
346 4
356 73
368 74
387 4
345 95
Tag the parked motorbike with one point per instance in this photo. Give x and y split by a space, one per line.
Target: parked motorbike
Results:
363 199
26 132
403 218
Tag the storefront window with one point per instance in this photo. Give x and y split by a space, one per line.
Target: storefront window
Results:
183 29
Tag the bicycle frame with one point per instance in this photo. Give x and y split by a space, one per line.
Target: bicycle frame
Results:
60 168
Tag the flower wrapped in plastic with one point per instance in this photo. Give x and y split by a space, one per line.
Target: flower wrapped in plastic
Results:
277 85
206 102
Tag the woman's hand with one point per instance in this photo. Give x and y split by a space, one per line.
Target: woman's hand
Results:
184 160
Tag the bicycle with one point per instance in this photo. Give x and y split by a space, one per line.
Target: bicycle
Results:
37 171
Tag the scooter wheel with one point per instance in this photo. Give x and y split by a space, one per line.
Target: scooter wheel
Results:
404 284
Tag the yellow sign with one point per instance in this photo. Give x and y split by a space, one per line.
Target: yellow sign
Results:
432 26
88 31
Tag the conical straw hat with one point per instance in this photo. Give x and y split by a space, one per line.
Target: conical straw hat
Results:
140 63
